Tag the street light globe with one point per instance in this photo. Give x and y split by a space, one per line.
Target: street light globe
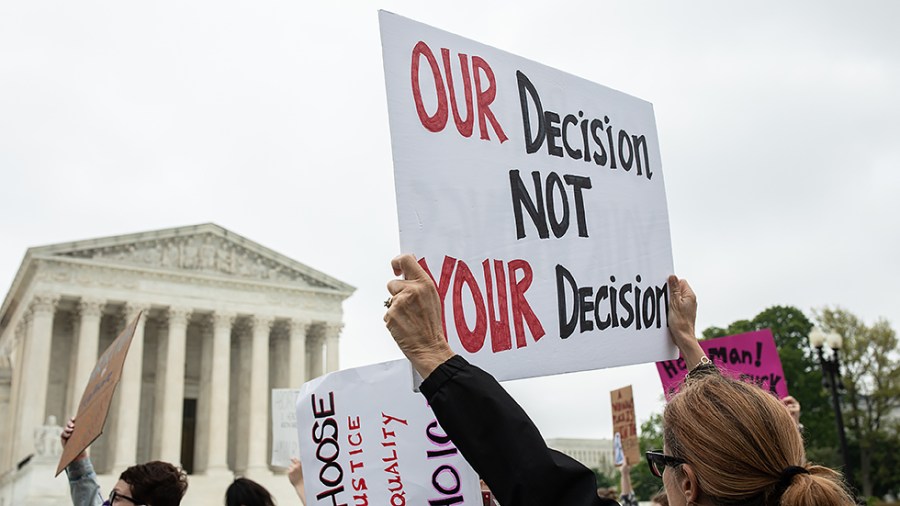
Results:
835 341
817 338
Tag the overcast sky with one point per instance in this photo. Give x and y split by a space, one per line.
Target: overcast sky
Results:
778 127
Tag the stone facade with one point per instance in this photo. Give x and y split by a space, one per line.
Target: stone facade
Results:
223 320
593 453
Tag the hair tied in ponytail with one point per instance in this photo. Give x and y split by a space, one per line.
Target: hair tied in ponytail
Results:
789 472
787 475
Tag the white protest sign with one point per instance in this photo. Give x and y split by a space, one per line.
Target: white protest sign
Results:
367 438
534 198
284 426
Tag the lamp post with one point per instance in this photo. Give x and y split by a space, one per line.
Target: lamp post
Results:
831 379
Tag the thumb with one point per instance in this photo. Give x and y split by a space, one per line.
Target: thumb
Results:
407 266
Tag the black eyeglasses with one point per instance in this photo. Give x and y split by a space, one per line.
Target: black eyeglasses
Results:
113 496
657 460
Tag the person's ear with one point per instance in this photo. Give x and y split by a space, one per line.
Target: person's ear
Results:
688 484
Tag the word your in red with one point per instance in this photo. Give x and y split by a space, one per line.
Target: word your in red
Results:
509 296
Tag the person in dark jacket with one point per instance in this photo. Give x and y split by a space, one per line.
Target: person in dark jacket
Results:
492 431
701 464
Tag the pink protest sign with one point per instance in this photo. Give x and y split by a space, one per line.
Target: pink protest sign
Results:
751 357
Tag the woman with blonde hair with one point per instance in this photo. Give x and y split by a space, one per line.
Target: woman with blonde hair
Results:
726 443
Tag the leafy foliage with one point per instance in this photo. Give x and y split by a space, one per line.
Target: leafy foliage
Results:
871 378
645 485
605 481
651 438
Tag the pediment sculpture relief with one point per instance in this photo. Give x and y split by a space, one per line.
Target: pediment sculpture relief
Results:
201 253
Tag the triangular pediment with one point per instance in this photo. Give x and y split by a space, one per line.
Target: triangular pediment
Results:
206 249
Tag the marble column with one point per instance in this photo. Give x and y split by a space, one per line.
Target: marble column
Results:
217 451
7 402
8 444
33 389
280 355
310 341
240 395
204 389
172 405
258 412
297 353
332 351
159 386
89 313
315 344
129 395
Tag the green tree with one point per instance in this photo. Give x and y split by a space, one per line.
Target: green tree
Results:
738 327
605 481
871 378
802 372
651 438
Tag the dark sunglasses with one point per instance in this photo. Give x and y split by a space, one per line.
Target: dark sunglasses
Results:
657 460
115 495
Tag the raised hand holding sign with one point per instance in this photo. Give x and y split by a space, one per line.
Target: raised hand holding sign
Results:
413 317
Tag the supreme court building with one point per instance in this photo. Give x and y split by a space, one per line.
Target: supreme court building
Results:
224 321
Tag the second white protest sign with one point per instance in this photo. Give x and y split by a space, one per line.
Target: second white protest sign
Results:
367 438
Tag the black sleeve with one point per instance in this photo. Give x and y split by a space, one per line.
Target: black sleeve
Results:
502 444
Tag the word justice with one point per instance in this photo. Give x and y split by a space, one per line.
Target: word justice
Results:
509 297
610 305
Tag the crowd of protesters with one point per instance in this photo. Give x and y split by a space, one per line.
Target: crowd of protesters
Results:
158 483
724 442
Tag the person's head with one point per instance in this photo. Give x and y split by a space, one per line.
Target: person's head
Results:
739 446
154 484
244 492
659 499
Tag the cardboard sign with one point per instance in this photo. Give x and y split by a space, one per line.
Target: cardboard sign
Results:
367 438
625 424
284 426
534 198
97 397
751 357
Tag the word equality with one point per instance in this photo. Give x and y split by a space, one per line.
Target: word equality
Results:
391 460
